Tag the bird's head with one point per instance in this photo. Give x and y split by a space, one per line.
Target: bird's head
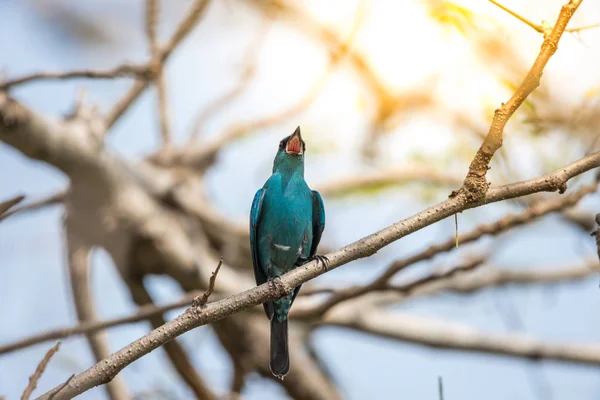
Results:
290 155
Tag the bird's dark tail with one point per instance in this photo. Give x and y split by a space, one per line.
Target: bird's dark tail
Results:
280 357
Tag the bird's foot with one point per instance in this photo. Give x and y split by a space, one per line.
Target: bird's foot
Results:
320 259
278 286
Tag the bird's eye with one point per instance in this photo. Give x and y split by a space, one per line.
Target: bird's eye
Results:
282 145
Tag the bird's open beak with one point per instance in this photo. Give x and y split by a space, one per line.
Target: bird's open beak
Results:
294 143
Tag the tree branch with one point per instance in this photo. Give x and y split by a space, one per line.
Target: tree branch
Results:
33 380
540 28
55 198
78 254
439 334
152 14
124 70
475 184
502 225
192 318
8 204
489 277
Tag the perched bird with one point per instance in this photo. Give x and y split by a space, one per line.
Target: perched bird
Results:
286 223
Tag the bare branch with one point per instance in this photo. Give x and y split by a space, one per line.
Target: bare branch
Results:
540 28
78 254
201 301
152 14
184 28
475 184
8 204
489 277
439 334
55 198
33 380
192 318
143 313
536 27
61 387
124 70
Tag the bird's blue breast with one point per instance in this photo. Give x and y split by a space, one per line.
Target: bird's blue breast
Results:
285 230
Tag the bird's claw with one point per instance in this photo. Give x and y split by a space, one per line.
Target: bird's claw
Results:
319 259
323 260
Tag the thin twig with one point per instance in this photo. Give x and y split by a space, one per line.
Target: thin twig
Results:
56 198
536 27
539 27
124 70
409 288
200 301
61 387
493 277
441 387
8 204
33 380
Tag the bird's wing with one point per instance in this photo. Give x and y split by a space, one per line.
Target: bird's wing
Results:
318 211
318 223
259 274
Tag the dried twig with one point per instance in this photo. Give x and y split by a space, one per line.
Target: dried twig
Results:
124 70
33 380
56 198
8 204
61 387
200 301
475 184
541 28
488 277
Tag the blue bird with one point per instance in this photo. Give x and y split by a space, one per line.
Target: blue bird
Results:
286 223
